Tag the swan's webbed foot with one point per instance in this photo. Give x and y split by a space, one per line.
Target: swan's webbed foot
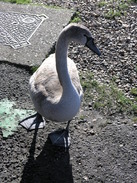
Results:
33 122
60 137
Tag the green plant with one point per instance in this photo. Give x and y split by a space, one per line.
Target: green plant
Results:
112 13
102 3
133 91
123 6
114 8
107 97
82 117
33 69
75 18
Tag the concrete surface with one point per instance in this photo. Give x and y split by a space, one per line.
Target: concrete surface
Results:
42 39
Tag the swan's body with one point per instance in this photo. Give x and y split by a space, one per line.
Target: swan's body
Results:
55 87
49 98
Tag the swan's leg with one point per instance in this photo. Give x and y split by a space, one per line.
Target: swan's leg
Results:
61 137
33 122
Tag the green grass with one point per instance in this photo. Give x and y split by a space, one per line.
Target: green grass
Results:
82 117
33 69
112 13
18 1
107 97
134 92
76 18
102 3
123 6
114 8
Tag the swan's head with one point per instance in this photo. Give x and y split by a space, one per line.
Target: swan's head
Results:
81 35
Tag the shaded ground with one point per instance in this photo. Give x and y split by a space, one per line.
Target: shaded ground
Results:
103 148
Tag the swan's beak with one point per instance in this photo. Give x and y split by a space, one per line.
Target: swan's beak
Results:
91 45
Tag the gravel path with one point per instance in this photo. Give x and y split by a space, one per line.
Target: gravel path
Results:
104 148
116 38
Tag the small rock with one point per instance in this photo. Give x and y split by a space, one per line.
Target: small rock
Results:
85 178
121 145
105 63
128 39
135 13
125 25
135 125
91 132
122 53
95 14
91 126
94 120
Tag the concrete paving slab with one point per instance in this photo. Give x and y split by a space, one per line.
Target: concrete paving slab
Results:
28 32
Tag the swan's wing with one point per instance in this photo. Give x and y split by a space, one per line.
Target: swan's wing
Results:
44 83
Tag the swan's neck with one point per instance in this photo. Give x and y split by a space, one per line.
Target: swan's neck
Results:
61 62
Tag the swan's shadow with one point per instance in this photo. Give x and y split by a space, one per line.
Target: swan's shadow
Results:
51 166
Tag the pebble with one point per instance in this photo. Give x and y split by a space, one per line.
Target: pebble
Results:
91 132
85 178
94 120
135 125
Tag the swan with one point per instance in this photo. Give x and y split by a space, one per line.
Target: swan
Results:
55 87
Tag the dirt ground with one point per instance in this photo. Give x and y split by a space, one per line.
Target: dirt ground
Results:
103 148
